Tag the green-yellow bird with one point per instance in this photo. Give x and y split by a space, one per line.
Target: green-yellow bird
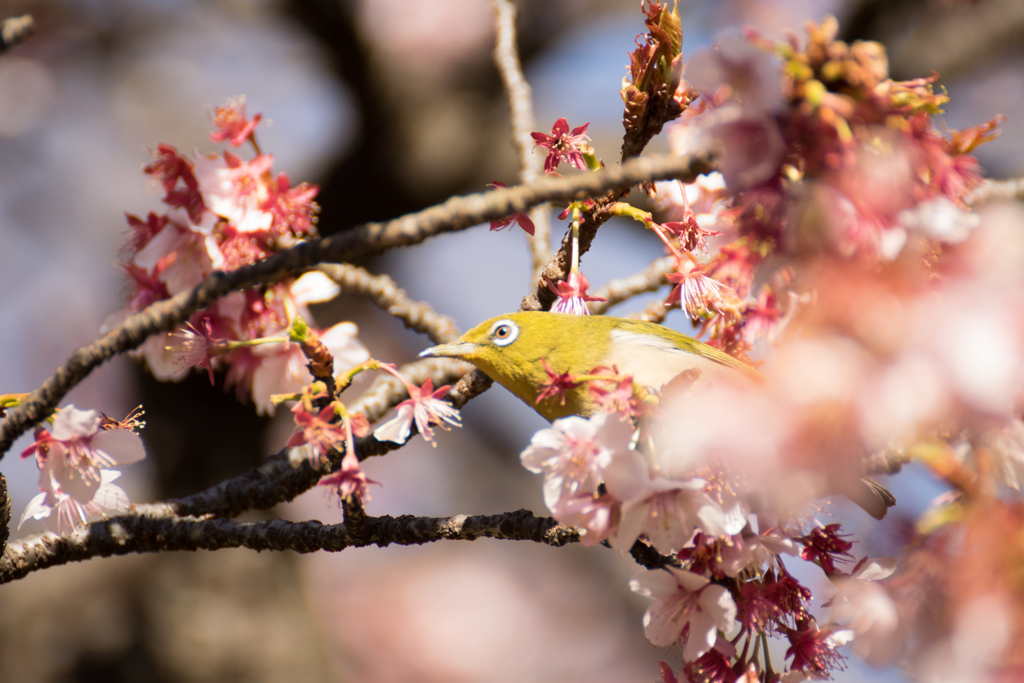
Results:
512 349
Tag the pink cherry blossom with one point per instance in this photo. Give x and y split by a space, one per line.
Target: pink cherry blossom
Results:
293 208
865 607
522 219
572 295
596 516
236 190
573 453
78 437
349 482
232 123
196 347
67 501
687 607
694 291
563 146
319 433
815 651
424 407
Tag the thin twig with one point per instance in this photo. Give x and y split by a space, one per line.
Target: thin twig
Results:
650 279
382 290
455 214
520 104
142 533
994 190
16 30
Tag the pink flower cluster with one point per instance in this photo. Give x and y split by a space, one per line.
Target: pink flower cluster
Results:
224 213
696 506
891 320
820 154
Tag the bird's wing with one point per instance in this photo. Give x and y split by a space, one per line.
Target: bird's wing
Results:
654 361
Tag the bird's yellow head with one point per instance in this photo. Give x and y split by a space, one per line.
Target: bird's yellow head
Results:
513 348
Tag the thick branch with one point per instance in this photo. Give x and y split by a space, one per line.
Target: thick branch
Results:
144 533
278 480
457 213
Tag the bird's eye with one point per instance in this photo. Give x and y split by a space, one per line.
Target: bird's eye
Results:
504 332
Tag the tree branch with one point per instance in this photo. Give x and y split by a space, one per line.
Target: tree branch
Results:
994 190
154 532
651 279
382 290
455 214
520 103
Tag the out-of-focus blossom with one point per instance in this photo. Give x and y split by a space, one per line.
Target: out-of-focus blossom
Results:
196 347
235 189
940 219
752 76
74 458
684 601
232 123
62 507
863 606
88 448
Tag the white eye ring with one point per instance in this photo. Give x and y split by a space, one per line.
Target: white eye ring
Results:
510 335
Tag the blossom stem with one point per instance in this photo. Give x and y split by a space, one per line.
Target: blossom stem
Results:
575 267
769 673
239 344
644 217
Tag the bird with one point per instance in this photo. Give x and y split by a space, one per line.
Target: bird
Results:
512 350
521 351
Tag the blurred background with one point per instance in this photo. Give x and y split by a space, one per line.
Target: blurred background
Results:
390 106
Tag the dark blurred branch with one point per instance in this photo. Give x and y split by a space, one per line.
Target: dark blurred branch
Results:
520 103
458 213
146 533
15 31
